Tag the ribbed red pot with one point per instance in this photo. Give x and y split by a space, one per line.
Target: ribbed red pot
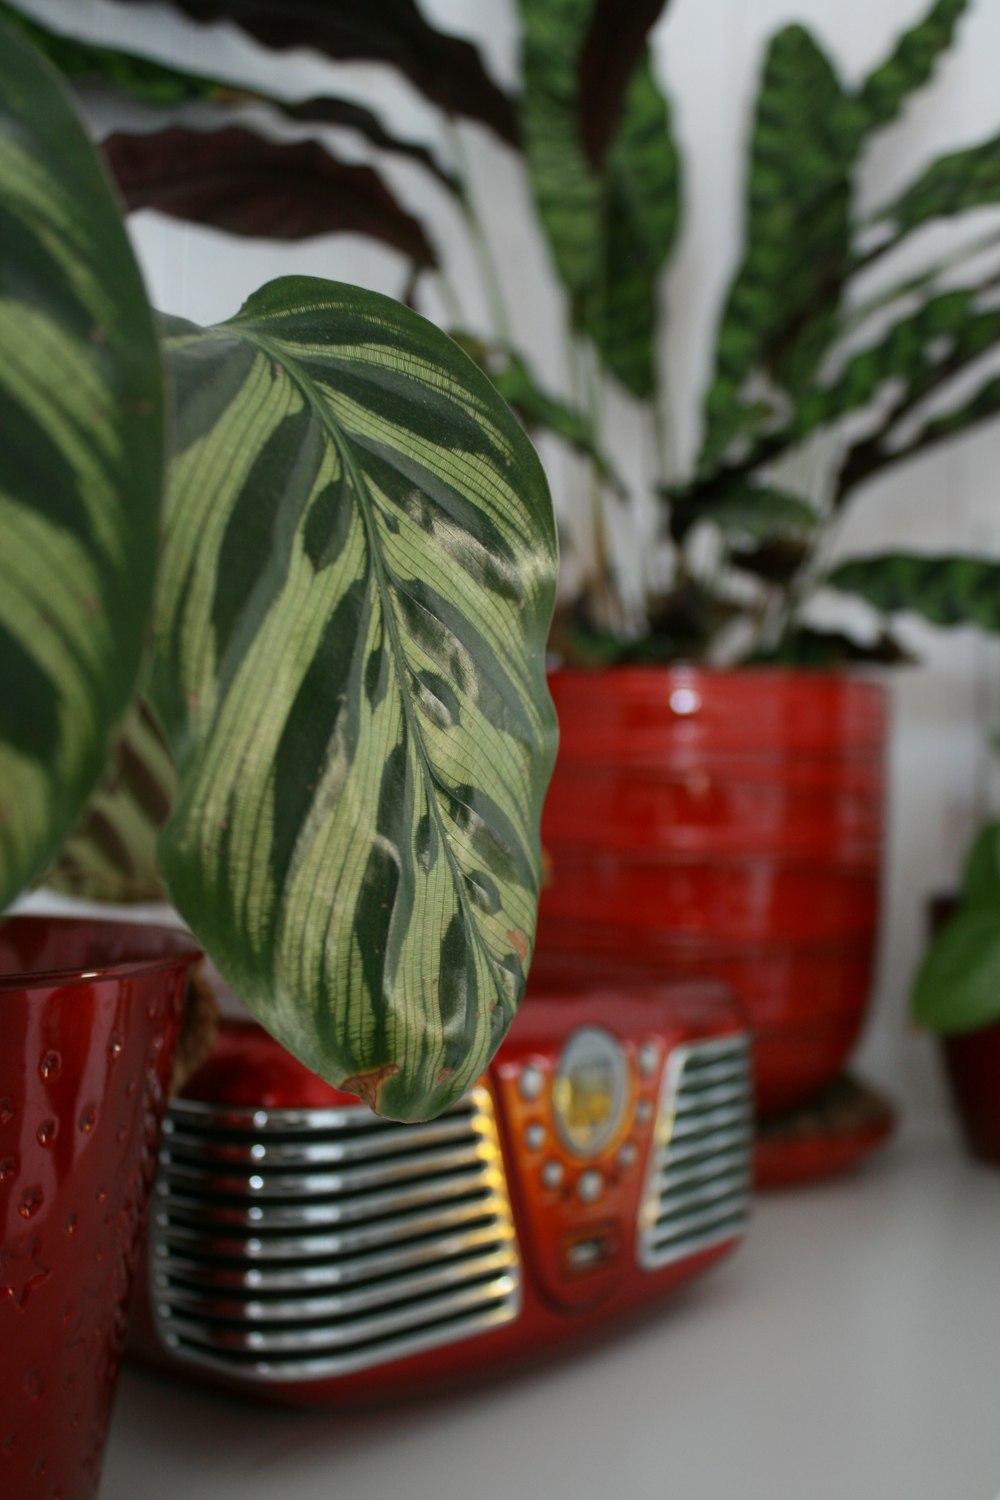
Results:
972 1060
88 1016
725 824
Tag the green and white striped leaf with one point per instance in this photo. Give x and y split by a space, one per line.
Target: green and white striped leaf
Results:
357 580
910 64
80 464
111 854
784 297
945 590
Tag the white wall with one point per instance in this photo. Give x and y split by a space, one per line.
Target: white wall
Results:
708 52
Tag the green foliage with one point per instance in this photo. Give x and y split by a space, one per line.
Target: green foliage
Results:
81 410
817 386
910 65
945 590
355 579
958 986
610 225
355 520
798 236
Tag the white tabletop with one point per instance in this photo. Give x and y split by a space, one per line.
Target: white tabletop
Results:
849 1351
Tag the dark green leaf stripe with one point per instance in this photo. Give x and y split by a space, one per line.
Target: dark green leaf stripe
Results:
80 464
910 65
355 836
797 236
945 590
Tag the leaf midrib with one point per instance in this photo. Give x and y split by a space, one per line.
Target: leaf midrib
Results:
431 780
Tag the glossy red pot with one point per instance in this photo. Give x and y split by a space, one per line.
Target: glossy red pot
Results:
89 1012
724 824
972 1061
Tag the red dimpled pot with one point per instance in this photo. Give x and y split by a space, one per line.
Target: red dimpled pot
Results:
725 824
89 1012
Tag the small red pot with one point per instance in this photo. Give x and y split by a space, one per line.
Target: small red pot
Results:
972 1062
724 824
89 1013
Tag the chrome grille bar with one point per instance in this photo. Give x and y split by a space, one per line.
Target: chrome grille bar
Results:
300 1245
697 1191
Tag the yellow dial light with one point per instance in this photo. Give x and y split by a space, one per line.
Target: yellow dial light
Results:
590 1091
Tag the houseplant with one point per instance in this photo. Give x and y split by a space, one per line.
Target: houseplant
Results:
830 369
336 613
956 993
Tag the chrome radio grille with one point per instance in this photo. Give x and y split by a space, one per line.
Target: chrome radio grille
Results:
295 1245
697 1191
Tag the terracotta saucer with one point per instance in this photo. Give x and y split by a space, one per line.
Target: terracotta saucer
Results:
825 1136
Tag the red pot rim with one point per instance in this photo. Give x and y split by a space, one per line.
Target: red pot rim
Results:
171 946
850 678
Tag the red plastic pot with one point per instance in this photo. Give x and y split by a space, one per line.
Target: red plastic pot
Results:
89 1014
972 1061
724 824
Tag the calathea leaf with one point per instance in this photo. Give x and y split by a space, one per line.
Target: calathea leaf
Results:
781 306
357 579
160 84
952 185
740 508
80 464
567 187
446 69
613 47
945 590
641 217
111 854
910 65
235 180
610 215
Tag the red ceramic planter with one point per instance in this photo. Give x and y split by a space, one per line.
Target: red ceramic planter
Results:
724 824
88 1016
972 1061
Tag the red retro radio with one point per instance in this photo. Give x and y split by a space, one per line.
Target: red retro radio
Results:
306 1250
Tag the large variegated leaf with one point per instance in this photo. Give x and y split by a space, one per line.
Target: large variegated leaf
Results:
945 590
910 64
357 581
80 464
785 293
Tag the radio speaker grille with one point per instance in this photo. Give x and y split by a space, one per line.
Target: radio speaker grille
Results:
697 1191
295 1245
